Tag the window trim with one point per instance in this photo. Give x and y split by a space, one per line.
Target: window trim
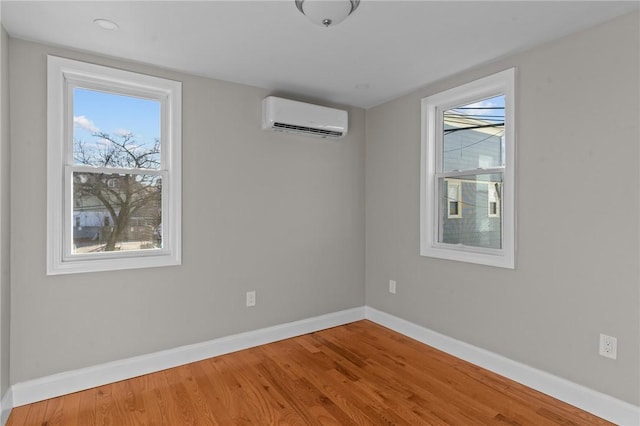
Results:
500 83
63 75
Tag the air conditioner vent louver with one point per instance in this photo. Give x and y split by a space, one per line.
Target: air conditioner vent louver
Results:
310 130
298 117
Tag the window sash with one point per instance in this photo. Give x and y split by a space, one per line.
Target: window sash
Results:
117 88
67 239
443 210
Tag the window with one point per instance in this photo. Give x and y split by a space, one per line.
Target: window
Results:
113 169
467 180
493 200
454 199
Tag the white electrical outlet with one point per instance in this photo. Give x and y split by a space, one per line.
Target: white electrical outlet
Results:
392 287
608 346
251 298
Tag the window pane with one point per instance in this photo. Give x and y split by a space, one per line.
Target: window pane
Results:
116 212
111 130
472 224
473 135
453 208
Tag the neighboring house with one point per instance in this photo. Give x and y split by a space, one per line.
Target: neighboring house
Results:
473 207
89 218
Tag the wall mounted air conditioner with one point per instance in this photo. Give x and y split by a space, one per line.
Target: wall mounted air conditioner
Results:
298 117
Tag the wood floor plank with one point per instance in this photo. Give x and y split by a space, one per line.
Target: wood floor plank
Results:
296 394
87 407
107 408
197 390
165 399
19 415
63 411
146 408
356 374
36 413
186 401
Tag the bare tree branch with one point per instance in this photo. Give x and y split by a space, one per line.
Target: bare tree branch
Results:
122 195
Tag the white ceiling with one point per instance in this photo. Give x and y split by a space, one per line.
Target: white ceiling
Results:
382 51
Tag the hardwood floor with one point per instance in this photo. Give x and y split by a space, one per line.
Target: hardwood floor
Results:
356 374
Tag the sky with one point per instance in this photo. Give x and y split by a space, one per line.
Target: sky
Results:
95 111
468 142
484 106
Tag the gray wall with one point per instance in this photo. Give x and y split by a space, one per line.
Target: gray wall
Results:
578 216
277 213
5 258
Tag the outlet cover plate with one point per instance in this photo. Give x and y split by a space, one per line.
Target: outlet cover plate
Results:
608 346
251 298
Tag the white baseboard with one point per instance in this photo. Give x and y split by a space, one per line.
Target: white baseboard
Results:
602 405
55 385
86 378
5 406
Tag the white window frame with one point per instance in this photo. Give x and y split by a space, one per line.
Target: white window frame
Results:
63 76
502 83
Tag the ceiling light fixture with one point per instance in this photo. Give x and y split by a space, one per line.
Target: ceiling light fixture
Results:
327 12
106 24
